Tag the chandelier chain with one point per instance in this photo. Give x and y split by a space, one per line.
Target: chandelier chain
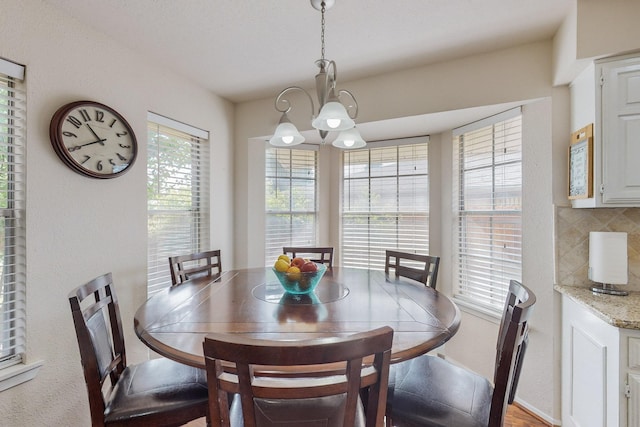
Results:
322 33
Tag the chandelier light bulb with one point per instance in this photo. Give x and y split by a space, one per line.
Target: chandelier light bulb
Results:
349 139
333 123
333 116
286 134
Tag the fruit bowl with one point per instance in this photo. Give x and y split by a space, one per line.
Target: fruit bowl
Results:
300 282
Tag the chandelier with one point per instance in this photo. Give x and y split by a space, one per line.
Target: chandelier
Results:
333 116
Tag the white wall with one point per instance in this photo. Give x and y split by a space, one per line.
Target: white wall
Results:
523 73
77 227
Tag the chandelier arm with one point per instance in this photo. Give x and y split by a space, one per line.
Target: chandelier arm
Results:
280 99
350 107
332 73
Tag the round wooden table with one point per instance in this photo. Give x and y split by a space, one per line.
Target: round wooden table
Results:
251 302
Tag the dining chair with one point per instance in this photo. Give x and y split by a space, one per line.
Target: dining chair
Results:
200 264
158 392
321 254
431 391
332 381
422 268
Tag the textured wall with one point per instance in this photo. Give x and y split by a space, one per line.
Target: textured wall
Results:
572 241
79 228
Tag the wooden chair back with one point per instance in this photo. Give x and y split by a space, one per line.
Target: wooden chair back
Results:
322 255
422 268
185 267
100 338
513 338
342 368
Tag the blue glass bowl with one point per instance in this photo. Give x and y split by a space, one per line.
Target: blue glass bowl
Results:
300 283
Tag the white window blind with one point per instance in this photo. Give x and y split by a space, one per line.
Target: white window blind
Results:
177 195
385 202
488 203
12 214
290 199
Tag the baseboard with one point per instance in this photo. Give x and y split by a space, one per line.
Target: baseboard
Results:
544 418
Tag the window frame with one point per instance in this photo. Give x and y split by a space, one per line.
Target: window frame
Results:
198 210
13 367
309 235
464 293
375 258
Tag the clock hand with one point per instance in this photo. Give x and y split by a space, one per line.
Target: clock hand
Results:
77 147
94 133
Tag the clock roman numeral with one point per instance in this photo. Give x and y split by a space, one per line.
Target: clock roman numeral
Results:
77 123
85 115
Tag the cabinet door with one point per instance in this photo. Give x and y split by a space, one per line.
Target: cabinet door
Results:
591 389
620 111
633 419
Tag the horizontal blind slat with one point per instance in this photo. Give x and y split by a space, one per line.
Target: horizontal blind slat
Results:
290 199
178 196
385 203
12 224
488 201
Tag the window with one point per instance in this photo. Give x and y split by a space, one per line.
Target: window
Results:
488 203
290 199
177 195
385 202
12 214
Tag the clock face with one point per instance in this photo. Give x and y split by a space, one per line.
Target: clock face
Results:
93 139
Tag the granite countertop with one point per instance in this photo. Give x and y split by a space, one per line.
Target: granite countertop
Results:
619 311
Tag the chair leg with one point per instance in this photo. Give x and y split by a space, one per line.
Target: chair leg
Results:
387 417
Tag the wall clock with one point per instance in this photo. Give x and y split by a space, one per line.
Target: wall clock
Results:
93 139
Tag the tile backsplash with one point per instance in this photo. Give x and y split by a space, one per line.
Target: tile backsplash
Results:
572 242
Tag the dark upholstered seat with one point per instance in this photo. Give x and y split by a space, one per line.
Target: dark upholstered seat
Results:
430 391
190 266
298 383
158 392
155 389
421 268
460 398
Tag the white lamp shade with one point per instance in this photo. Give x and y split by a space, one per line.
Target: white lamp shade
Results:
349 139
608 257
333 117
286 135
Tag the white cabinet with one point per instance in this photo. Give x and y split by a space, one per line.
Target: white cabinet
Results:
600 370
608 95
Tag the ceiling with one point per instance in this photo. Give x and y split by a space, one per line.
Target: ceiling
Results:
251 49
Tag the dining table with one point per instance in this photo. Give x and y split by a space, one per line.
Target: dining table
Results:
252 302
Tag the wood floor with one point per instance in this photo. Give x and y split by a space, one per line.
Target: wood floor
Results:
518 417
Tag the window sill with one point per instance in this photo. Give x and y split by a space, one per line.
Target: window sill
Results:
478 311
18 374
